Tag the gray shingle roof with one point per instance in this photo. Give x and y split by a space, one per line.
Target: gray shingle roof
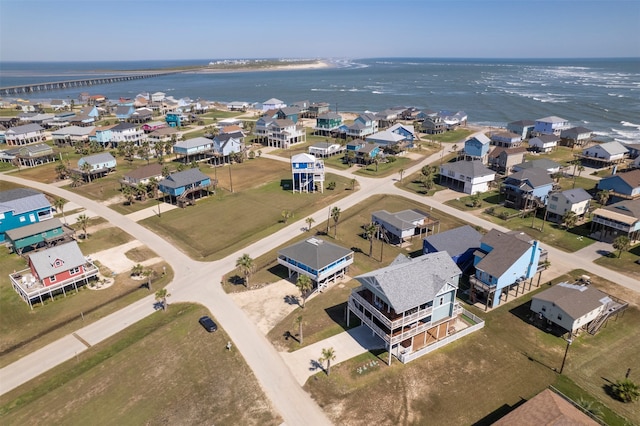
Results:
468 168
401 220
44 261
21 200
456 241
123 126
575 300
102 157
315 253
27 128
535 176
542 163
34 228
194 143
183 178
405 285
576 195
507 248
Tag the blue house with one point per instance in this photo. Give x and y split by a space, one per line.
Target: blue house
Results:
527 188
364 125
524 128
292 113
21 207
102 135
98 162
320 260
504 262
410 305
308 173
460 243
176 118
124 112
623 186
185 186
477 148
355 144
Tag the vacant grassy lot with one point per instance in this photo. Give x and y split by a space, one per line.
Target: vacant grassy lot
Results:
228 221
625 264
165 369
501 365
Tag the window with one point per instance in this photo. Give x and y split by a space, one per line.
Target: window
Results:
441 300
52 278
74 271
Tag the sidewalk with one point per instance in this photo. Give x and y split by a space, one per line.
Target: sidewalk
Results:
303 363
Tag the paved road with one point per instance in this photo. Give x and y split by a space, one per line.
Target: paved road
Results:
199 282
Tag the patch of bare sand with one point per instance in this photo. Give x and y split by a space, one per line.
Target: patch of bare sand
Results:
269 305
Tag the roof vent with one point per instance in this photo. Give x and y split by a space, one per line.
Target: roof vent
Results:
314 241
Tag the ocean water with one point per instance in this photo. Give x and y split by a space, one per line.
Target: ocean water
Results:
600 94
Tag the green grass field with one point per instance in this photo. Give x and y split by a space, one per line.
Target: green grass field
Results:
165 369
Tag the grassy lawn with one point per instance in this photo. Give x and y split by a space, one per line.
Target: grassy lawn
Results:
562 155
384 169
349 235
503 364
323 316
253 211
625 264
165 369
458 135
463 203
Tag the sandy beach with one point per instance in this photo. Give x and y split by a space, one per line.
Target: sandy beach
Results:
284 67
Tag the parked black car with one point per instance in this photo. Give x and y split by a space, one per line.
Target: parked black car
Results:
208 324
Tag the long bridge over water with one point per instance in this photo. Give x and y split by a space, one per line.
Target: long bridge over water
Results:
57 85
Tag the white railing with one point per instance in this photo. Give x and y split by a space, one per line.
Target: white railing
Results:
407 357
392 324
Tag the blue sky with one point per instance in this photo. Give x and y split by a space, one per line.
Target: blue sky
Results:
88 30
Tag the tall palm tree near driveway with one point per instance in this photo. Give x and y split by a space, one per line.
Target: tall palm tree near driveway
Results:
621 243
59 205
310 221
161 296
328 355
335 215
246 265
305 285
83 221
370 232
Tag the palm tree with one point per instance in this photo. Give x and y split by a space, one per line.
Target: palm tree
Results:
59 205
83 221
128 193
569 219
626 390
86 168
136 270
328 354
141 191
61 170
161 296
370 232
305 285
246 265
153 187
401 171
76 180
603 196
354 182
148 273
621 243
310 221
299 321
335 215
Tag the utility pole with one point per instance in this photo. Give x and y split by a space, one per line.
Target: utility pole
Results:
569 341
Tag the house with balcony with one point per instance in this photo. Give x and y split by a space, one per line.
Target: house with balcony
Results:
325 149
452 120
284 133
367 152
163 134
177 118
410 304
614 220
34 155
292 113
24 135
622 186
551 125
96 165
193 149
186 186
527 189
503 159
576 136
544 143
315 109
126 132
141 115
523 128
308 173
328 123
433 125
575 200
477 148
102 135
388 117
504 262
38 235
506 139
152 126
399 227
71 134
322 261
575 306
238 106
158 96
273 103
21 207
605 154
52 271
387 139
227 144
472 177
363 126
261 128
143 175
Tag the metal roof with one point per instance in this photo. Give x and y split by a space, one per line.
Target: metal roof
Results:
44 262
183 178
22 200
575 300
315 253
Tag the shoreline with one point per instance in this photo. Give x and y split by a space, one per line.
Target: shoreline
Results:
320 64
